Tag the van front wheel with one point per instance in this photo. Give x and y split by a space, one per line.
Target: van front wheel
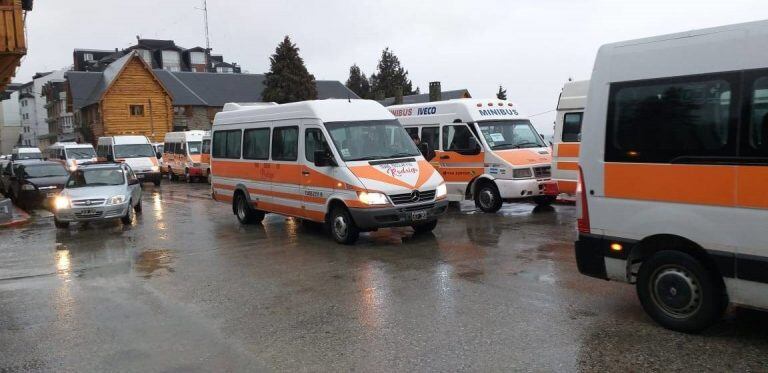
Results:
679 292
488 198
342 227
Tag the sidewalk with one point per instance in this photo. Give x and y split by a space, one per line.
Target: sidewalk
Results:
18 217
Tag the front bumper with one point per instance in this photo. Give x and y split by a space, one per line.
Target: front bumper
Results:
511 189
92 213
149 175
397 216
36 198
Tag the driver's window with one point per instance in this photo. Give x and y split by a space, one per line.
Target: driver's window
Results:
314 140
456 138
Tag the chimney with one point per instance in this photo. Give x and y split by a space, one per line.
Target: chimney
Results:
435 92
398 95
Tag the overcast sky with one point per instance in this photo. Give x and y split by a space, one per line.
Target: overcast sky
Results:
529 47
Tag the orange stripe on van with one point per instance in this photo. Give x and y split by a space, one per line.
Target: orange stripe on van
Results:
567 187
568 166
568 150
752 183
694 184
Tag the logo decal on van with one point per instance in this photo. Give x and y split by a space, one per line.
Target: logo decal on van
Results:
406 171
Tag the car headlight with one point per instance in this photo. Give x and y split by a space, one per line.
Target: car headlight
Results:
116 200
73 168
61 202
155 168
441 191
522 173
28 187
372 198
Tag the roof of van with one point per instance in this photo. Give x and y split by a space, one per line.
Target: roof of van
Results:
26 150
324 110
464 110
71 145
122 140
684 53
194 134
574 95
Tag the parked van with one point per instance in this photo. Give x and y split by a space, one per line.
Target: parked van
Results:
26 152
509 162
674 166
205 158
71 154
182 152
135 151
347 163
567 139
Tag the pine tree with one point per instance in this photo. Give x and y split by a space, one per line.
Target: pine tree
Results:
502 93
358 83
390 75
288 79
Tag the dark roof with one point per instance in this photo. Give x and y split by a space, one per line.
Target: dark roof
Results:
153 44
424 97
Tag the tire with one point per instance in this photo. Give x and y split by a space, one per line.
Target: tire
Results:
157 181
680 293
130 216
244 212
487 198
425 227
171 176
138 207
187 177
60 224
342 227
208 176
544 200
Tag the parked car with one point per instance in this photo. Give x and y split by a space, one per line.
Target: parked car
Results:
95 192
33 183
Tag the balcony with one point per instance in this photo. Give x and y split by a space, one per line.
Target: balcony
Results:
13 45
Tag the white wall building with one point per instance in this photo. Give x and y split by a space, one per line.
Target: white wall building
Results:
10 127
34 114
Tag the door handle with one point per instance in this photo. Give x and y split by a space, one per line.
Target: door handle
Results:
445 157
305 173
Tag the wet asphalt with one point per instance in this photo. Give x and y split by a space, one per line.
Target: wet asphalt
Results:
186 288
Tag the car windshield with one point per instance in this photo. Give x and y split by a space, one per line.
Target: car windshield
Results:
97 177
134 151
29 155
369 140
43 170
194 147
510 134
81 153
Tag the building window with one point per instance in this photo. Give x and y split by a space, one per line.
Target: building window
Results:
88 56
171 61
137 110
224 70
197 58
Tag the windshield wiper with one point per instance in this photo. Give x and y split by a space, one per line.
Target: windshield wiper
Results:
368 158
398 155
527 145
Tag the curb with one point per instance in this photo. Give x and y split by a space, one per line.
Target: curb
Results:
20 218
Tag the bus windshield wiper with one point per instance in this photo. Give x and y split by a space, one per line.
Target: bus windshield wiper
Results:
526 144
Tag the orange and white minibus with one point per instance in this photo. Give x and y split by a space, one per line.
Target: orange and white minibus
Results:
674 163
71 154
182 153
567 138
485 149
347 163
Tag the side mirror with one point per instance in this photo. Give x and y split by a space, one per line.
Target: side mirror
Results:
323 159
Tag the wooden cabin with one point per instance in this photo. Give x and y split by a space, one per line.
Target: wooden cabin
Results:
13 44
126 98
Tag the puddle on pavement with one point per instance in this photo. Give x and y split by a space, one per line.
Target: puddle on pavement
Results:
154 262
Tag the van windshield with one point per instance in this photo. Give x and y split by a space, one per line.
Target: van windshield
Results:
510 134
194 147
81 153
370 140
27 155
134 151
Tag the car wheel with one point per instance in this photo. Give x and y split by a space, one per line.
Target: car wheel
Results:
425 227
487 198
679 292
245 213
60 224
342 227
129 217
544 200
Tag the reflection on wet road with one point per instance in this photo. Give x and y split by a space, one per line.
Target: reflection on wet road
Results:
187 288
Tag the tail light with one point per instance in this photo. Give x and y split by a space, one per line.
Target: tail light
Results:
582 208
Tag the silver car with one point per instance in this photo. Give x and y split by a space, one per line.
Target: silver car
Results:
99 192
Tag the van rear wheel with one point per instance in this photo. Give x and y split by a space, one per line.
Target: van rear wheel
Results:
488 198
245 213
679 292
342 227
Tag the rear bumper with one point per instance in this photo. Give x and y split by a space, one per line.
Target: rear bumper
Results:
196 171
374 218
592 251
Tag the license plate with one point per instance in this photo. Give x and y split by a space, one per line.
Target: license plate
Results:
419 215
86 212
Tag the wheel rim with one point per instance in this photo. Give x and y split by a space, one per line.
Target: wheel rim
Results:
340 227
487 198
241 208
676 291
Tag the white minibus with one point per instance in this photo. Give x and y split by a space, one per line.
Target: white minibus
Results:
346 163
485 149
71 154
26 152
182 152
135 151
674 163
567 138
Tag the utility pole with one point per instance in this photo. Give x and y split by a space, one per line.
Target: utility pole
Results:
207 36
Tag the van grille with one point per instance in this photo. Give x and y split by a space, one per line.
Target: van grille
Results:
401 199
543 172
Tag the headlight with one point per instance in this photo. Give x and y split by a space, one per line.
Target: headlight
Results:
441 191
61 202
73 168
116 200
28 187
372 198
522 173
155 168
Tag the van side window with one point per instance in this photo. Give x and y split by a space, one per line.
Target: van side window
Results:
456 138
226 144
674 119
412 131
572 127
285 144
431 136
759 116
314 140
256 144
